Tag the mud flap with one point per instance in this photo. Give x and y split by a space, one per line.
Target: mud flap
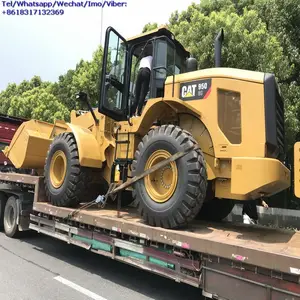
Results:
297 169
23 217
24 206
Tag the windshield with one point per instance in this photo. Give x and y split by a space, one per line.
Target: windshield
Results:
164 60
179 64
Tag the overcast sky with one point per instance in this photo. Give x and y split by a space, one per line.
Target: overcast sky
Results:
48 46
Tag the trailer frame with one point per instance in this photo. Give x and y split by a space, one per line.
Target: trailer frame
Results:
211 258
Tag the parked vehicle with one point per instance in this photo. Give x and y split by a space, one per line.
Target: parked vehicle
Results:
8 127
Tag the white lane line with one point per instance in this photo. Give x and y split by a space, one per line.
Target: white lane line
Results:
79 288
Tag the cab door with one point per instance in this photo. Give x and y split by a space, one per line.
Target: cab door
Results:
113 100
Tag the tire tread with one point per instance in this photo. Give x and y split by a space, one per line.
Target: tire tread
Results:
80 180
197 179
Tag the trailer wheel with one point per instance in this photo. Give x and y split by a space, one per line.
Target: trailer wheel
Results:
66 182
10 218
172 196
3 199
215 210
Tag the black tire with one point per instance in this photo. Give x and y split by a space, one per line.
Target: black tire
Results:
190 191
78 185
3 199
10 218
215 210
127 198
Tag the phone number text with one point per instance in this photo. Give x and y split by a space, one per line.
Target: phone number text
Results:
33 12
62 4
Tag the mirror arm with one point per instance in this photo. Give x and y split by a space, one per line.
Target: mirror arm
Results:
84 98
92 112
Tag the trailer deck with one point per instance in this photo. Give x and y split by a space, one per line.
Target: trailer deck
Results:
267 247
209 256
227 261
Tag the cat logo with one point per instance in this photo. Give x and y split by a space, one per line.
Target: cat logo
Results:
195 90
188 91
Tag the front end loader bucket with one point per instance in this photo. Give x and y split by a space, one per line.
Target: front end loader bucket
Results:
29 146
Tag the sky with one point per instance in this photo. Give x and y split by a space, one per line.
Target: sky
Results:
48 46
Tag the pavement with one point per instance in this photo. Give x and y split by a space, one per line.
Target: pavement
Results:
37 267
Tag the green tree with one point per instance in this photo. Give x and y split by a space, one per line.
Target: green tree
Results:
149 27
87 77
39 104
246 37
62 89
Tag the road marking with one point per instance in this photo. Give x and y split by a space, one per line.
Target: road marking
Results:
79 288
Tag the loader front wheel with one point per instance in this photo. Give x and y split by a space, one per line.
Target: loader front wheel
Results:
172 196
66 182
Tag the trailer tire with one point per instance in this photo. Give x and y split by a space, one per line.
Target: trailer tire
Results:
179 195
66 182
215 210
10 218
3 199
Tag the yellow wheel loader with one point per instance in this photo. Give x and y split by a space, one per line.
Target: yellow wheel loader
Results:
234 117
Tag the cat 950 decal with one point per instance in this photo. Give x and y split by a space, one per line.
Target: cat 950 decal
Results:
195 90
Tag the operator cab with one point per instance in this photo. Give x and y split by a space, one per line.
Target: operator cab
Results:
121 60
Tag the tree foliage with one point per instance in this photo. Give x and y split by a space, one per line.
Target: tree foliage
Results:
149 27
48 101
38 103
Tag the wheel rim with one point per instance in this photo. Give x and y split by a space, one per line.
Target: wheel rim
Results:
161 184
58 168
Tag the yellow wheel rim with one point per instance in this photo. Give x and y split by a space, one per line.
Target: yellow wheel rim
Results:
58 168
161 184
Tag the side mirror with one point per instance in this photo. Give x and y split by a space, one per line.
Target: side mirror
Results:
191 64
81 96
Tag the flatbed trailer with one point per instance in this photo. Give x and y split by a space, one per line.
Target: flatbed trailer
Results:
225 260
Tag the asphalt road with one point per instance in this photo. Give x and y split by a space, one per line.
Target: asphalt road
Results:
38 267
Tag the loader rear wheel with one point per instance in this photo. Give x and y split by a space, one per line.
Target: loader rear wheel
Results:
172 196
215 210
66 182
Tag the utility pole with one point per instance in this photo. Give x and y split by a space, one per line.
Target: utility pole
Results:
101 28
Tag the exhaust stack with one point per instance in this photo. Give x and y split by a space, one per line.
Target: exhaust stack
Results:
218 48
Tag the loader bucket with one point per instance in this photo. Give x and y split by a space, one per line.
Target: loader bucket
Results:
29 146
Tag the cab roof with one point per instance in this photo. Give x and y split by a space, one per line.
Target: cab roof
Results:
160 31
